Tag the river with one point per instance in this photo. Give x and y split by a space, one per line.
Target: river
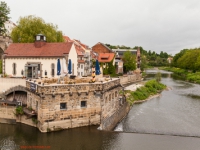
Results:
168 122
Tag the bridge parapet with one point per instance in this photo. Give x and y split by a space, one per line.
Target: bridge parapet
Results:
8 83
16 88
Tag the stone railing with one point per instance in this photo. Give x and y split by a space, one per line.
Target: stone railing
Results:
78 87
130 78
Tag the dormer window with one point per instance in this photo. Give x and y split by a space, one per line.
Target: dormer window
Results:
40 40
40 37
37 37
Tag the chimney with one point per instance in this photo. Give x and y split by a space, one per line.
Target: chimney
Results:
40 40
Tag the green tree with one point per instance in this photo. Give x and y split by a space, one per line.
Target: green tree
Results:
28 27
158 77
189 60
4 11
143 62
177 56
129 61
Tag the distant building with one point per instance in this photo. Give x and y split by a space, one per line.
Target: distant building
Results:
103 54
101 48
169 60
9 25
119 55
83 54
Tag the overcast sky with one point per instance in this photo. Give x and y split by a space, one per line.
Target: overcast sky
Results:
157 25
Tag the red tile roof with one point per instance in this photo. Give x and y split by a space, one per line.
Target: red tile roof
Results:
83 45
29 50
106 57
67 39
81 61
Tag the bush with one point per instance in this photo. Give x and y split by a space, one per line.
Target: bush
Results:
19 111
151 87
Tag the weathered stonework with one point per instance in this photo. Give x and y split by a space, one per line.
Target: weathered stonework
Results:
104 105
130 78
101 101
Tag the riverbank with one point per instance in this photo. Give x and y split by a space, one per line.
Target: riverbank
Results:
149 98
183 74
142 93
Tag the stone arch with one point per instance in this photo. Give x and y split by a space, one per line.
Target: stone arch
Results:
15 88
18 93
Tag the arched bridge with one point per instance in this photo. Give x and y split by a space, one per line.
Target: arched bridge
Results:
13 89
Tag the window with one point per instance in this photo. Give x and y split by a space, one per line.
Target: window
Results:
37 38
52 69
38 66
83 103
63 105
112 95
106 99
115 93
81 73
14 68
81 66
109 97
39 70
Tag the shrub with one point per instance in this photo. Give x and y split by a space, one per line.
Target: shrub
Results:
19 111
151 87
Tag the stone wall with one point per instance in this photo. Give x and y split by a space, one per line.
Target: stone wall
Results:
130 78
4 43
101 99
103 104
7 115
110 123
7 112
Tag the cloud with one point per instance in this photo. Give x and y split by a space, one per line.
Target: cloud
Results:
167 25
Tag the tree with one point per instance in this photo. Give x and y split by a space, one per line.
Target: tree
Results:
158 76
129 61
189 60
28 27
4 11
177 56
144 62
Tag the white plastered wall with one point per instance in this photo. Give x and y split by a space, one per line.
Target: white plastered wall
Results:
21 62
74 59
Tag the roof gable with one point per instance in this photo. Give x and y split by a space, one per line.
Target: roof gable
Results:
106 57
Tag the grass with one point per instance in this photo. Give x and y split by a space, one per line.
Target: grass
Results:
151 87
186 75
